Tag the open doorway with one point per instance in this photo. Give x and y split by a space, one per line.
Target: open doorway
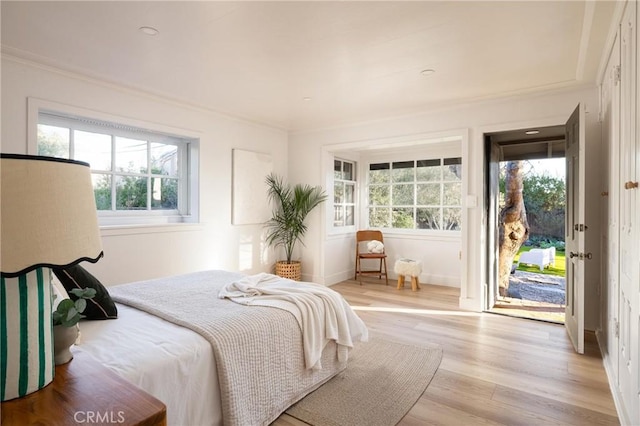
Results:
527 173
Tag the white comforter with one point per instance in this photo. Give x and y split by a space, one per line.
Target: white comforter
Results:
322 313
172 363
259 357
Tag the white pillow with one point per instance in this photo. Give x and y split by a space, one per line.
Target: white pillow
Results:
375 246
58 290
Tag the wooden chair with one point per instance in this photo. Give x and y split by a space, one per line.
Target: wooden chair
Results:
363 237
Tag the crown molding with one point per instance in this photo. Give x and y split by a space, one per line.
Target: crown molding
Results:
46 64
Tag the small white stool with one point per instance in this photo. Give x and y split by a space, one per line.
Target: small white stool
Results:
408 267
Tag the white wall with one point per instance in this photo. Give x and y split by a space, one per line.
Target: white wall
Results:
439 251
215 243
144 253
429 250
306 148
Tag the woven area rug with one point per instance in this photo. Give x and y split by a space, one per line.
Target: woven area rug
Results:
381 383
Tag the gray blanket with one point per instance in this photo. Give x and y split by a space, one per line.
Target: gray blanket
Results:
258 350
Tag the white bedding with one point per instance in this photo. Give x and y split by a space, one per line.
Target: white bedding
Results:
258 350
304 301
170 362
208 359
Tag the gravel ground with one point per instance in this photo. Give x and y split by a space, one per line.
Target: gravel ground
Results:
537 287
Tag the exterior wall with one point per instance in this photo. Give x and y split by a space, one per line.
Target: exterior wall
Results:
139 253
328 255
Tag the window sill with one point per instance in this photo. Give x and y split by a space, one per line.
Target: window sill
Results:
115 230
406 234
414 234
341 231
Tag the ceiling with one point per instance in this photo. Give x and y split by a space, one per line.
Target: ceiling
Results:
304 65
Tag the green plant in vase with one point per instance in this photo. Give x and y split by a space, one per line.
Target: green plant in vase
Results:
65 323
69 312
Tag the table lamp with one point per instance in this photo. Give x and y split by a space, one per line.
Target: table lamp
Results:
47 219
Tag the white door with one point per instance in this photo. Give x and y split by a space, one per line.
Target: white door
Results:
628 357
611 149
575 228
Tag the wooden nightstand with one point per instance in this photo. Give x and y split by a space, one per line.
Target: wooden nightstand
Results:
85 392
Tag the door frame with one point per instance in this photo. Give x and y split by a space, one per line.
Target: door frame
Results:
486 267
492 195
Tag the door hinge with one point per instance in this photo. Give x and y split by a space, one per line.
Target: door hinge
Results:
616 75
580 227
617 328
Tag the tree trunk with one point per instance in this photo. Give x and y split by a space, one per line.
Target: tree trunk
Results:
513 227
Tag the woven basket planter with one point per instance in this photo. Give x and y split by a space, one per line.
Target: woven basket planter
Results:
292 270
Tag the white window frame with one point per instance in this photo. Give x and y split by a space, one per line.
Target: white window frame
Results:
345 182
415 182
56 114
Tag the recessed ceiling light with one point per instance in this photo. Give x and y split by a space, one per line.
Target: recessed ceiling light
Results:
532 132
150 31
427 71
306 99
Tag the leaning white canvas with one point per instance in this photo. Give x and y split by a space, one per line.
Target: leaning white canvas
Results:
250 202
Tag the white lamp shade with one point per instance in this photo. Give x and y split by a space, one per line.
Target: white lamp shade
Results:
48 214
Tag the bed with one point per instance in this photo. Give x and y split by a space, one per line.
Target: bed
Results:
152 346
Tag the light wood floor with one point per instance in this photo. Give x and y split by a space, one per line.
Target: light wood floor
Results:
495 369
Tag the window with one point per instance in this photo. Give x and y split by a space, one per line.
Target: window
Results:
137 174
344 189
422 194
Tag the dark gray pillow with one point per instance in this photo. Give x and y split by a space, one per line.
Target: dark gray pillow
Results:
99 307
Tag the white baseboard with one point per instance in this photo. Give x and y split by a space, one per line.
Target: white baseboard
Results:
611 378
444 280
468 304
329 280
424 279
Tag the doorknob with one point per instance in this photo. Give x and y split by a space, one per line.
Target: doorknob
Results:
630 185
581 256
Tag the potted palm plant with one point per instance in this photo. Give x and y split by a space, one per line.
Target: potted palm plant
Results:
291 205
